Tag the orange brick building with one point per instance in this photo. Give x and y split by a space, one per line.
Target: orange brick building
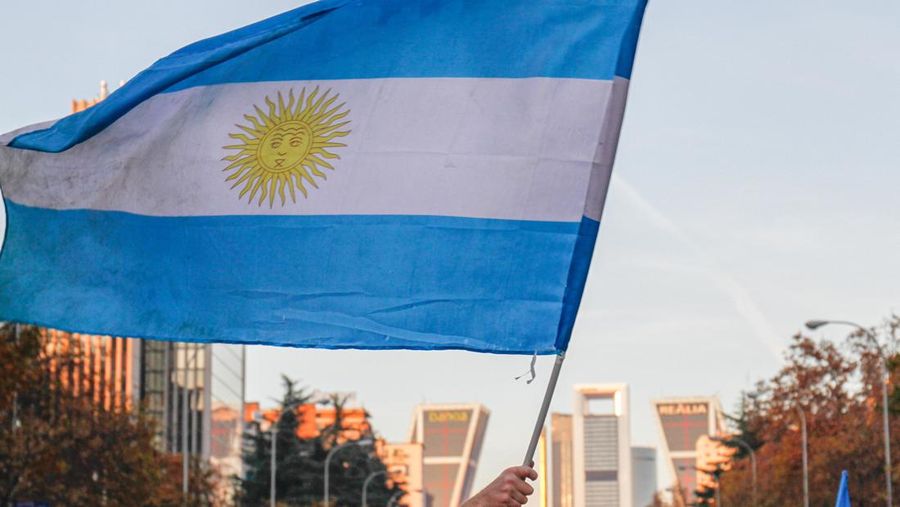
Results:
79 105
313 419
100 367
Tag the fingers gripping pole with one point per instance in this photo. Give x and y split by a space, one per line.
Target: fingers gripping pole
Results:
545 406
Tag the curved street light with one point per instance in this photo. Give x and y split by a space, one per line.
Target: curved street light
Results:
393 501
365 488
334 450
815 324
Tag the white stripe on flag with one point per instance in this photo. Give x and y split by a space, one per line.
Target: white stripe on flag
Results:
525 149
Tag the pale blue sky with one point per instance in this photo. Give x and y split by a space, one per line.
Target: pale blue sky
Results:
756 187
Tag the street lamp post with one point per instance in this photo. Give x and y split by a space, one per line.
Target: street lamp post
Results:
749 449
889 489
334 450
365 488
805 457
273 464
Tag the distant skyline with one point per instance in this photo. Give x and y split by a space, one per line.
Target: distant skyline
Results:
755 188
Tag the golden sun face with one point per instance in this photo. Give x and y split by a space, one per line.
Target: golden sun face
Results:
285 148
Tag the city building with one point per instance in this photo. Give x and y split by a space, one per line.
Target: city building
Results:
404 462
225 399
313 418
79 105
195 391
452 436
643 476
601 445
682 421
543 470
561 460
100 367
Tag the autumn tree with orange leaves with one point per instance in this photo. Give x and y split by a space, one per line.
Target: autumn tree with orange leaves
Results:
837 386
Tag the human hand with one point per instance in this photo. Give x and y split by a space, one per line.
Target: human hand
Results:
509 489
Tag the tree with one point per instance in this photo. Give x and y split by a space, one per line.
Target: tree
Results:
61 448
255 487
838 388
58 447
301 462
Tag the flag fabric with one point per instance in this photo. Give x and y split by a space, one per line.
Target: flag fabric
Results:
376 174
843 496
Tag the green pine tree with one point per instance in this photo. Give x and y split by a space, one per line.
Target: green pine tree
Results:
300 463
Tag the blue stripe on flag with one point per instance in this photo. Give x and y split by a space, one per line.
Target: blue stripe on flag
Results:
377 282
344 39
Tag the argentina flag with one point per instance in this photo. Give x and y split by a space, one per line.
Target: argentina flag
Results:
375 174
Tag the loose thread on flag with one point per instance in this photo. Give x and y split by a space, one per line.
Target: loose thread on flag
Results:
530 370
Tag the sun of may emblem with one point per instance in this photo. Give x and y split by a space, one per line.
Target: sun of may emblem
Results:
285 149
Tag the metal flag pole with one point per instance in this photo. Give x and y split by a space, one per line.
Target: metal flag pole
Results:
545 406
